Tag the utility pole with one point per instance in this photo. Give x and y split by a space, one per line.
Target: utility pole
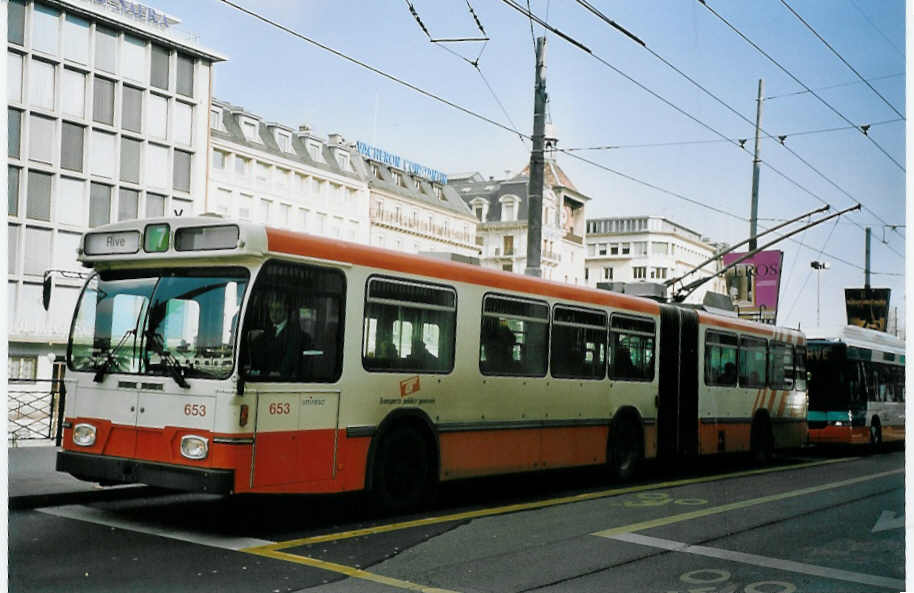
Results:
866 283
537 163
753 217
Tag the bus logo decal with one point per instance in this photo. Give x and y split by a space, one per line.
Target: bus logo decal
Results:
409 386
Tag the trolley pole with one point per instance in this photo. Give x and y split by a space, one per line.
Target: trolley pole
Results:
537 164
866 283
753 217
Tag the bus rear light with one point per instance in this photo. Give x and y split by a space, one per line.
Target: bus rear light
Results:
243 417
84 435
194 447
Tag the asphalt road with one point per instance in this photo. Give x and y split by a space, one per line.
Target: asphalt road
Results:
824 523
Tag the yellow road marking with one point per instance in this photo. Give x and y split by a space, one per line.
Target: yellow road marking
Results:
504 510
738 505
349 571
274 550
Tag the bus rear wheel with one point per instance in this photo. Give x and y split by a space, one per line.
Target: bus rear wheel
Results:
762 441
625 449
403 477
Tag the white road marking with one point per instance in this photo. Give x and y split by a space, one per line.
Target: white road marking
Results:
887 520
111 519
764 561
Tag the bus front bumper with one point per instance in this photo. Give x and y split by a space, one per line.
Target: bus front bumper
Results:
118 470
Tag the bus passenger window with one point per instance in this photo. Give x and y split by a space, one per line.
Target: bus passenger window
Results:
780 366
513 338
408 326
578 343
632 348
752 363
293 327
720 359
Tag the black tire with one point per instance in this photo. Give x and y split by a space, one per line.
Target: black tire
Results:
403 472
625 450
761 441
875 435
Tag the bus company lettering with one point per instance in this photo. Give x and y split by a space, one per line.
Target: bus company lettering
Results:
112 241
410 401
409 386
313 401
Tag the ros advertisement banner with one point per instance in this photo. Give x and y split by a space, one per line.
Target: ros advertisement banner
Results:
867 307
754 284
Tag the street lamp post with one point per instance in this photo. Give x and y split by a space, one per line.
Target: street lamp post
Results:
818 266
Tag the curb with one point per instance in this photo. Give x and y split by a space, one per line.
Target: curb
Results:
33 501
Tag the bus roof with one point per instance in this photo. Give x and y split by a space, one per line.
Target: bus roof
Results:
860 337
211 236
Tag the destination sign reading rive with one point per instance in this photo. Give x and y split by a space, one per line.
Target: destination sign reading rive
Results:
112 243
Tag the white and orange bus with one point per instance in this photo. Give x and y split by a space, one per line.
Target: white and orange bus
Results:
230 357
856 387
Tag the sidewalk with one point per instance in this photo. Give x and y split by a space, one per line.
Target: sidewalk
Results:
34 482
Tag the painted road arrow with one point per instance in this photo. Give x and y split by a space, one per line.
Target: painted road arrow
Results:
887 520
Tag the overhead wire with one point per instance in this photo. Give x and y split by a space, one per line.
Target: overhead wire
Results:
499 125
840 57
877 29
704 89
741 140
798 81
833 86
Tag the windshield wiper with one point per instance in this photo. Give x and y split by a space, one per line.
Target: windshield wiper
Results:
175 369
110 359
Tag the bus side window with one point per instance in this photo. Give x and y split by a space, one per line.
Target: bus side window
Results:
293 325
408 326
513 337
720 358
781 366
578 343
752 363
631 347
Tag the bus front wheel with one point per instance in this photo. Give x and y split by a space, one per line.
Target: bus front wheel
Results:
875 434
403 470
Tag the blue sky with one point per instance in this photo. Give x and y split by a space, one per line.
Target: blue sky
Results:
287 80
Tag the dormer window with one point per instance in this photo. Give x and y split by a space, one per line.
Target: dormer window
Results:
342 159
438 193
509 207
418 184
284 141
375 171
398 179
314 151
480 208
215 119
250 130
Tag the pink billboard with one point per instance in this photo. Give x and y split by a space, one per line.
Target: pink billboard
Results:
753 284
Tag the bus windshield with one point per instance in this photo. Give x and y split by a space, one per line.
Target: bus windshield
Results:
180 323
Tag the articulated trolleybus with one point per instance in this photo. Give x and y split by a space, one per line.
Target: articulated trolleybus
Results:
856 389
229 357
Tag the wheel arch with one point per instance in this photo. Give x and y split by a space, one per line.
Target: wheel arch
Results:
414 417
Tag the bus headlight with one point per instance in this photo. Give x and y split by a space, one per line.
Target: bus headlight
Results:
84 435
194 447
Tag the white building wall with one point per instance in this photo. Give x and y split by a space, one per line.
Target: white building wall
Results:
99 133
263 187
648 249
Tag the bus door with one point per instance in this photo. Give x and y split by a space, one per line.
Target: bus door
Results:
677 405
295 435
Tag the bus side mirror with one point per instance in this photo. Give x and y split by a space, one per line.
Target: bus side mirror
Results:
46 291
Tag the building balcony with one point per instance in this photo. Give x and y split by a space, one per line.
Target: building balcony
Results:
574 238
391 219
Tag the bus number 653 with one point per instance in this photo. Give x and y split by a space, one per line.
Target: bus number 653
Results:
195 409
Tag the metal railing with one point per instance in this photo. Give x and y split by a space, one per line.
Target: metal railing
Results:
35 409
